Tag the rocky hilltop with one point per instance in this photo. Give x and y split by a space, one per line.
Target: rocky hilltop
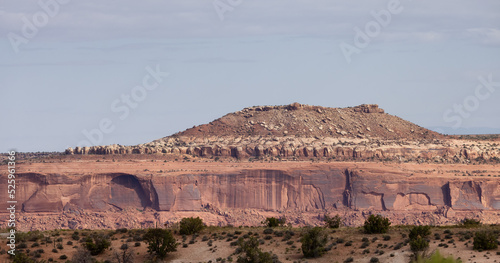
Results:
298 131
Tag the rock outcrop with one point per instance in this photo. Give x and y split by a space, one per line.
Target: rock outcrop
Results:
298 131
353 192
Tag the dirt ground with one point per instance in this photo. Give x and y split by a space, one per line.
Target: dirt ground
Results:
217 244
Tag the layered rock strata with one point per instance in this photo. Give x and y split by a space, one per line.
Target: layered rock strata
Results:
299 131
352 192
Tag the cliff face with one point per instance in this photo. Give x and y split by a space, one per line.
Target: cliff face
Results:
253 189
272 190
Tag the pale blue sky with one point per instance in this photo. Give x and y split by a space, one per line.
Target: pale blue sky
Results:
64 79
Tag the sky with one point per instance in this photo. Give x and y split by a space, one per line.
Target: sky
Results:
101 72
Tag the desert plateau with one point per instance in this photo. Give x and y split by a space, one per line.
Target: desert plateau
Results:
297 162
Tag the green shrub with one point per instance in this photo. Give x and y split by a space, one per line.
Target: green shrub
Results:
32 236
485 240
122 230
251 252
97 243
75 236
160 242
279 233
190 226
419 231
398 246
287 237
82 256
313 242
268 231
436 257
22 258
22 245
274 222
418 244
365 244
469 222
333 222
376 224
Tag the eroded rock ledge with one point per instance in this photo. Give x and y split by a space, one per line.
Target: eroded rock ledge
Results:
254 193
339 150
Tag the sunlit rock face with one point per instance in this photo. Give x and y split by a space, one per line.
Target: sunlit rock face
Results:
267 190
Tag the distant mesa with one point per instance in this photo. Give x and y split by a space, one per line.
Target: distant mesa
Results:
211 171
296 131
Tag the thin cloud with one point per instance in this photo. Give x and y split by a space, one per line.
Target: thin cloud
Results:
418 37
487 36
63 63
101 20
219 60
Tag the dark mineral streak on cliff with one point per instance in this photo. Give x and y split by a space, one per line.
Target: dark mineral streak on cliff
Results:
262 189
347 197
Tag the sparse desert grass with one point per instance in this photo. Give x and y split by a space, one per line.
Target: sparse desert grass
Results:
346 244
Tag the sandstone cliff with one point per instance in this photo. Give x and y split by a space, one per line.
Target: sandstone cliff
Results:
315 190
251 164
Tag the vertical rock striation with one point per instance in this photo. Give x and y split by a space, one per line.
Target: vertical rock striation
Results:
313 190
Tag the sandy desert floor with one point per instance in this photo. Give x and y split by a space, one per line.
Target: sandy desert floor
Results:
217 244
